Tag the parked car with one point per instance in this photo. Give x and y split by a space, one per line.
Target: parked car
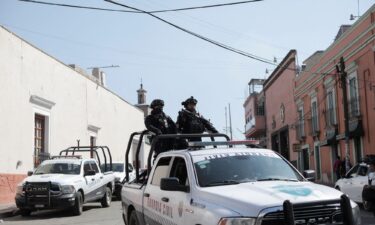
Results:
353 182
65 182
230 185
118 169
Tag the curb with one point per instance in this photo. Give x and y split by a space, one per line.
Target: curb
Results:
8 212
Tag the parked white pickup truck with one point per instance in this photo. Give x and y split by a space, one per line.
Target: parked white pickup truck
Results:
65 182
118 169
228 186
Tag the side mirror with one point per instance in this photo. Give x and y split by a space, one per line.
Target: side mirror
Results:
89 173
172 184
309 175
29 173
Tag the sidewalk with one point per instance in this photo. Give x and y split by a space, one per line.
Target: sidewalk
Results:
7 210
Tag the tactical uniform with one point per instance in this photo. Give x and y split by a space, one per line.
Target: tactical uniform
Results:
190 122
159 123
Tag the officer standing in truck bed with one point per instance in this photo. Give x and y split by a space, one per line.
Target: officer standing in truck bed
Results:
190 122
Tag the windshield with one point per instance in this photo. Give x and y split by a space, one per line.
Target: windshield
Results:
116 167
60 168
240 167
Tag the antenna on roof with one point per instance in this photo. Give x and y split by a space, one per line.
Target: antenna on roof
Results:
102 67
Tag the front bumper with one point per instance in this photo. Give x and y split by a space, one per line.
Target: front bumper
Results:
52 202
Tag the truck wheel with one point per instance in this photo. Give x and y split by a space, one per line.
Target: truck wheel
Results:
107 198
25 212
78 206
133 220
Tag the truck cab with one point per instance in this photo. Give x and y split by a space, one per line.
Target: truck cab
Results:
231 185
65 181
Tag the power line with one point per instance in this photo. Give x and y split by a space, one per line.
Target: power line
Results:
131 11
229 48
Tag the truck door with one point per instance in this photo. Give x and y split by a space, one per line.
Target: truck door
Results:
98 185
359 182
153 206
179 201
347 187
89 187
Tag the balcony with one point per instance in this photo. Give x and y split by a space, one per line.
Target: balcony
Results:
256 127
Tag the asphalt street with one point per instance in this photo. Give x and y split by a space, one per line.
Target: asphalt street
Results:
94 214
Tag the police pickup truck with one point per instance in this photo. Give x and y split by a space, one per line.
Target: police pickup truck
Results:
228 185
65 181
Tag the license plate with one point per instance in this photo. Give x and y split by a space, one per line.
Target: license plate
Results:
39 206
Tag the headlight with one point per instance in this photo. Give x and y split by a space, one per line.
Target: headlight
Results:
20 189
68 189
356 213
237 221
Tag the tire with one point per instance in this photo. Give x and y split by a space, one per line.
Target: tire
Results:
78 206
25 212
107 198
133 220
367 205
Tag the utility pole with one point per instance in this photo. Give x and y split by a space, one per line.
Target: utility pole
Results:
340 68
226 121
230 124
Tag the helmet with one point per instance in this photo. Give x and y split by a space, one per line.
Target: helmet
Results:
191 100
156 102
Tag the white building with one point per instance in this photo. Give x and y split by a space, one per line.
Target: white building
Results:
46 106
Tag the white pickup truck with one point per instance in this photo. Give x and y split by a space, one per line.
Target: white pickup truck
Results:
229 186
64 183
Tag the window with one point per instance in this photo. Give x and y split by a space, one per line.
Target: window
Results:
179 171
94 167
161 170
301 123
260 109
331 112
353 96
39 139
86 167
314 116
353 172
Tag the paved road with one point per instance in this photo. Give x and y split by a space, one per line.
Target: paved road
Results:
94 214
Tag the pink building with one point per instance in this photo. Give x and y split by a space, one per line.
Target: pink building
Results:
319 100
280 108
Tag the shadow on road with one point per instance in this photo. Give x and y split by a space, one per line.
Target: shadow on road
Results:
50 214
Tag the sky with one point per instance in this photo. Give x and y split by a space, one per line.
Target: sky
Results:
174 65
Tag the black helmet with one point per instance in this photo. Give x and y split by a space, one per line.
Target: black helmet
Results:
156 102
191 100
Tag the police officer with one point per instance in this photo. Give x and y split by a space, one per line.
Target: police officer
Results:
159 123
190 122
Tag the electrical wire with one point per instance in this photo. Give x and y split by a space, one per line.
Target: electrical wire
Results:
221 45
131 11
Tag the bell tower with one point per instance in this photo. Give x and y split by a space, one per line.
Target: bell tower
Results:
141 95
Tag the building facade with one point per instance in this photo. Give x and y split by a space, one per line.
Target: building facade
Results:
280 108
47 106
320 105
255 127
